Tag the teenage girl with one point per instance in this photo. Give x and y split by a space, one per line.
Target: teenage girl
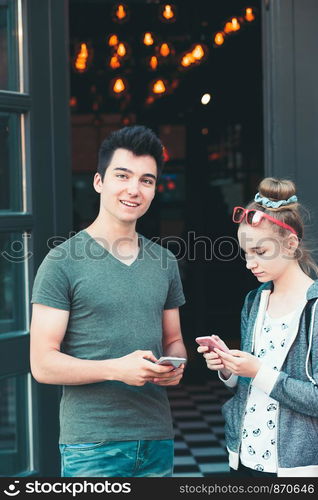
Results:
271 422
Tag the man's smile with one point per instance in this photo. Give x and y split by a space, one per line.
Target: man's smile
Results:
129 203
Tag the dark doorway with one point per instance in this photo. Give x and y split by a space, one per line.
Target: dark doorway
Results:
214 150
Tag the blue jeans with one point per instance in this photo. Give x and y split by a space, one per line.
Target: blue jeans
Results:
118 459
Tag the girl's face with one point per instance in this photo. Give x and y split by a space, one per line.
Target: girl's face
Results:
268 255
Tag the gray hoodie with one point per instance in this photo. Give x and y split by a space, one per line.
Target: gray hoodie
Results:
294 385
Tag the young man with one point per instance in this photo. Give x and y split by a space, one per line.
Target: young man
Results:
105 308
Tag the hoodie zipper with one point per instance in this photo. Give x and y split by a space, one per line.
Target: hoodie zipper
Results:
243 418
277 436
248 394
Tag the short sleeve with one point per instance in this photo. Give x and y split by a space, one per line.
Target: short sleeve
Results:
175 297
51 285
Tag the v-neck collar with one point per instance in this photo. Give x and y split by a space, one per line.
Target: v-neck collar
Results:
112 257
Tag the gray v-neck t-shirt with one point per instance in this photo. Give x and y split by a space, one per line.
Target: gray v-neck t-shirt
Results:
115 309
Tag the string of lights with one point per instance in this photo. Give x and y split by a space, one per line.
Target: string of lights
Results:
162 52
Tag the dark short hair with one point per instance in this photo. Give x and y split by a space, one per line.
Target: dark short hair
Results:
138 139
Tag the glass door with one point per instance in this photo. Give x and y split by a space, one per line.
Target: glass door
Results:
35 205
16 453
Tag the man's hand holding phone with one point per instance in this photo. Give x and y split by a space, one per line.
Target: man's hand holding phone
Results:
138 368
172 361
213 360
173 377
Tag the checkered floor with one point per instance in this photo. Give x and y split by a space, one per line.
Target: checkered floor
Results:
199 429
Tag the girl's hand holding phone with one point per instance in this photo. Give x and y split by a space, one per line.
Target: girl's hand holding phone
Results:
208 344
212 341
240 362
213 361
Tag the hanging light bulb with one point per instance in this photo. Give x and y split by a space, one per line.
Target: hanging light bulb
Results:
168 13
198 52
113 40
121 50
148 39
158 87
114 62
249 14
82 58
232 26
187 60
120 13
228 28
235 24
80 63
153 63
164 50
219 38
118 86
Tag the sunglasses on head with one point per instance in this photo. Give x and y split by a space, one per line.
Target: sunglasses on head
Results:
254 218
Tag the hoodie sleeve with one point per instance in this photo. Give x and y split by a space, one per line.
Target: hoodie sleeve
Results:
297 395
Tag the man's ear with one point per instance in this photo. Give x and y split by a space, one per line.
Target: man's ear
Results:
98 183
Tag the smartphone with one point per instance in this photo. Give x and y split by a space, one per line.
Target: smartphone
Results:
212 341
171 360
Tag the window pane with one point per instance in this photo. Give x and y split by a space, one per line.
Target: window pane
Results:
10 165
8 424
8 46
13 254
13 425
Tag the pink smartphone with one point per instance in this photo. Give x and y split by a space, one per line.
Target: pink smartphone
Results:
212 341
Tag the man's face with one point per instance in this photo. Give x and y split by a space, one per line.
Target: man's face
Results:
128 187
